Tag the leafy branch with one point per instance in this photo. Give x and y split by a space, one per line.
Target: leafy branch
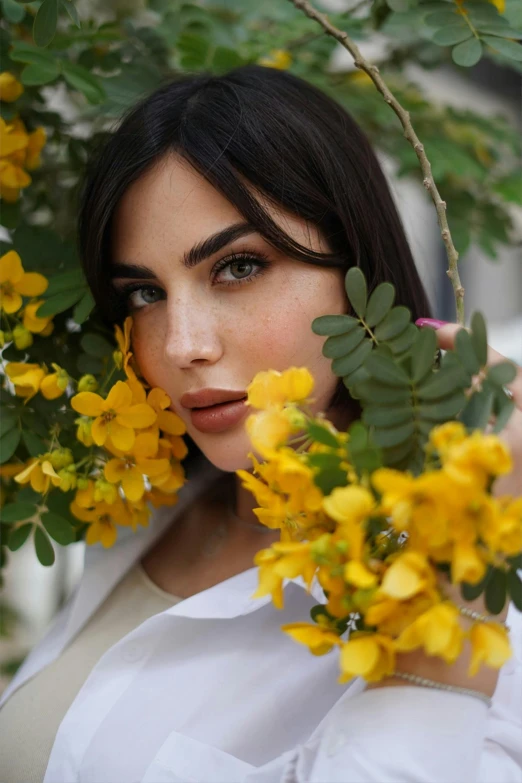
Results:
404 116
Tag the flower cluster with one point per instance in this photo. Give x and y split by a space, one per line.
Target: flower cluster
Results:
127 451
377 540
19 149
21 321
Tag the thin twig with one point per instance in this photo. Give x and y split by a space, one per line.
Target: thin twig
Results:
409 133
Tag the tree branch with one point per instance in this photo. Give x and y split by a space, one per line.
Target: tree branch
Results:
409 133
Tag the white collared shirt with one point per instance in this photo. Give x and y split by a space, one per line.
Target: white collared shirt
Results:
212 691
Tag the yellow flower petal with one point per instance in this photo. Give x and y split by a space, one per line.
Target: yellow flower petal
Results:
11 267
120 396
88 404
490 645
32 284
171 423
114 470
133 486
10 301
357 574
122 437
10 87
318 640
139 416
349 504
99 430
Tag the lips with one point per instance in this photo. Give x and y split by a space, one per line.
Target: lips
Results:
215 410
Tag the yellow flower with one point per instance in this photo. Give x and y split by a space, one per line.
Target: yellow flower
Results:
349 504
500 5
356 573
273 388
283 560
466 564
277 58
54 384
502 531
83 431
408 575
391 617
318 640
477 459
130 472
115 417
25 377
31 320
370 656
447 435
10 87
489 645
15 282
437 630
167 420
35 144
22 337
39 472
103 519
267 431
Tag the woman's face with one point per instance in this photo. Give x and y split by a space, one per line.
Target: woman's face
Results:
213 322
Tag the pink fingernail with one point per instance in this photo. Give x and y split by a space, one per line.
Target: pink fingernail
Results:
432 322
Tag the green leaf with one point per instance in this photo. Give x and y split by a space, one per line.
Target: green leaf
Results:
393 325
404 341
45 22
8 420
331 325
471 591
84 81
478 410
514 586
73 12
496 591
66 281
347 364
502 373
423 354
502 30
386 370
328 480
44 548
509 188
28 53
467 53
59 303
465 350
357 376
446 36
58 528
356 289
377 392
343 344
394 436
502 46
324 461
96 345
34 445
84 308
322 435
18 536
444 410
442 18
479 337
503 408
379 303
33 75
14 12
380 416
224 59
440 384
88 364
17 512
8 444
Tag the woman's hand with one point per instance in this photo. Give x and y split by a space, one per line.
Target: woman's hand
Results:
431 667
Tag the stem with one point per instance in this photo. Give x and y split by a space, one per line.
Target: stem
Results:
411 136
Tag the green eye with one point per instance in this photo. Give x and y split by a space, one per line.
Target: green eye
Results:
244 268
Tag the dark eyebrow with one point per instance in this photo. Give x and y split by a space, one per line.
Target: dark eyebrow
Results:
203 250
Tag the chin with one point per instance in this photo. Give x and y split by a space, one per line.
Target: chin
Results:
226 451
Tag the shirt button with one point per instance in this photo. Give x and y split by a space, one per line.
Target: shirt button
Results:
133 653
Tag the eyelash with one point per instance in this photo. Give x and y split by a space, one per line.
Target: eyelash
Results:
259 259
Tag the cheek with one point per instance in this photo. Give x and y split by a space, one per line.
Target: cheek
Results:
147 346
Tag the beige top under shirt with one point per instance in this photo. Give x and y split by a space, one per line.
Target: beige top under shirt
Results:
30 718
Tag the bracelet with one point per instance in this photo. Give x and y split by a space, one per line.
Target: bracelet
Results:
442 686
484 618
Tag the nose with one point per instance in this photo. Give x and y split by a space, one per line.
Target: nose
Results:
192 334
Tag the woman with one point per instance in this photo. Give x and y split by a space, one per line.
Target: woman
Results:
222 215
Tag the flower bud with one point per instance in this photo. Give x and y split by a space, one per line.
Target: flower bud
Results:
117 358
67 478
83 432
82 482
61 458
296 418
22 337
87 383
